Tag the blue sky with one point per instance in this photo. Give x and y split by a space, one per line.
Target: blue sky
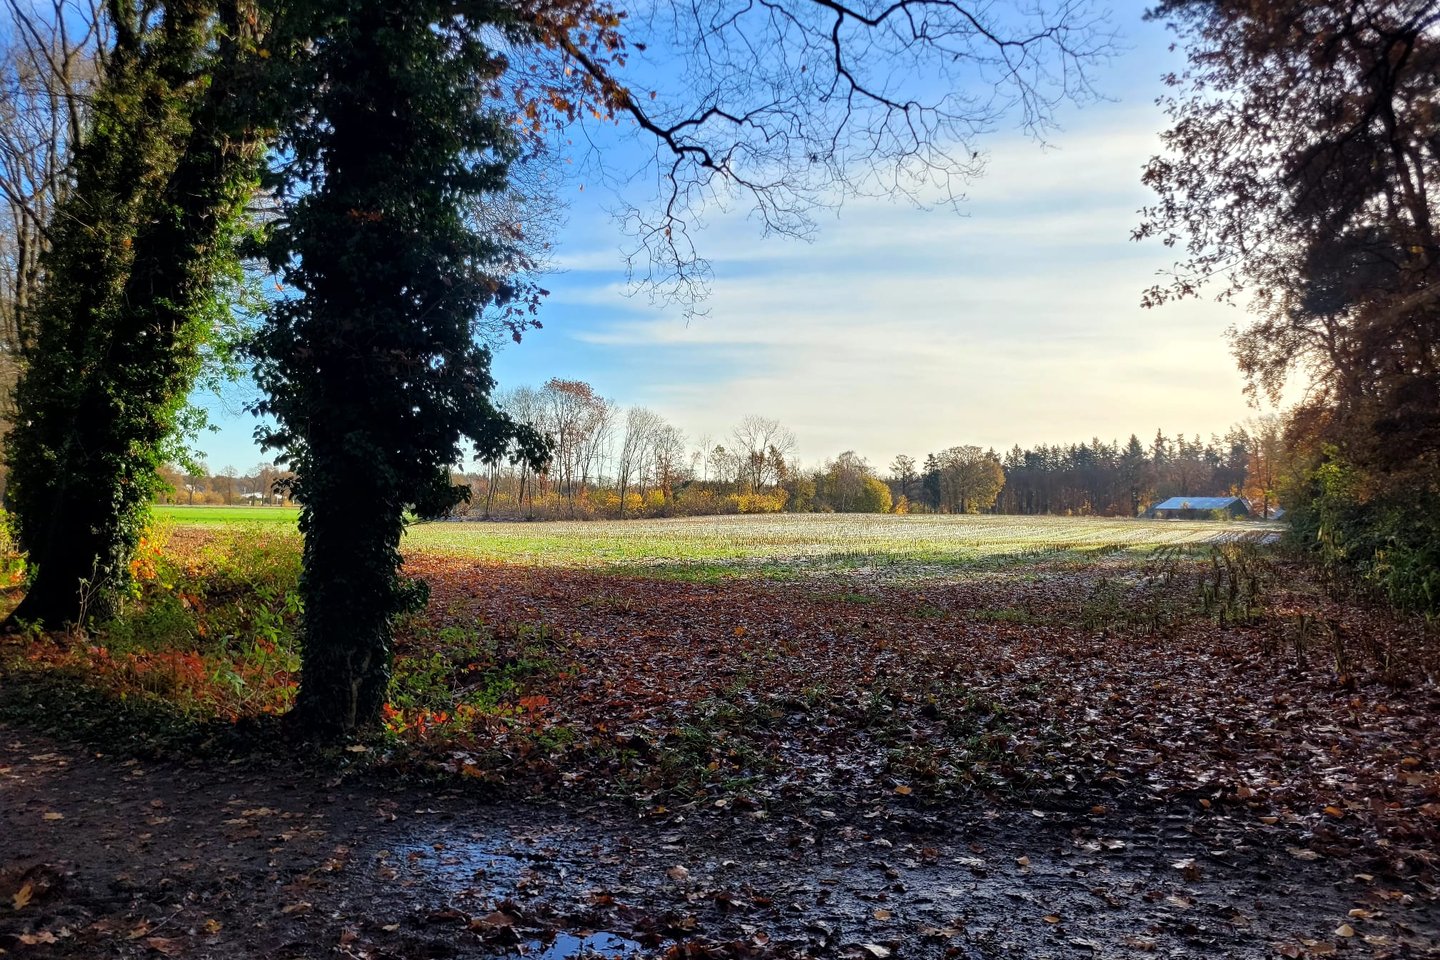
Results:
904 330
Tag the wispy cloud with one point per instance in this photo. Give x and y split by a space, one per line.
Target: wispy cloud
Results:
904 330
1012 319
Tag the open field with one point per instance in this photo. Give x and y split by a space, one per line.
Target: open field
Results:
783 544
741 737
213 516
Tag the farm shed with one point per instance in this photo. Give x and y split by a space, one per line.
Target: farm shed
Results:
1196 508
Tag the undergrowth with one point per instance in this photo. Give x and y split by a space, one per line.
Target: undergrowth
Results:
210 634
208 643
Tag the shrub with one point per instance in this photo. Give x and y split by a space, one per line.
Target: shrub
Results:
1387 542
875 497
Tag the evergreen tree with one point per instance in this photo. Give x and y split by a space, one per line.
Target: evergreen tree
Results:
1132 473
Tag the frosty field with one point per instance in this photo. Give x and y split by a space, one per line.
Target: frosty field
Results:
779 544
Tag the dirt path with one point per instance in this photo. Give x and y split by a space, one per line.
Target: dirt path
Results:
103 857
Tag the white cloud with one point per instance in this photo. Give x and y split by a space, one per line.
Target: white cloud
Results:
900 330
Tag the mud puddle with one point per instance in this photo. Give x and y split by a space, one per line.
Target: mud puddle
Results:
1020 884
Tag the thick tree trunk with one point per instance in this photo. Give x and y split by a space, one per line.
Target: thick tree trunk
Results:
118 338
78 542
348 586
73 585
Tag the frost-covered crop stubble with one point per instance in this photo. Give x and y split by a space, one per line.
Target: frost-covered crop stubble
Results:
799 542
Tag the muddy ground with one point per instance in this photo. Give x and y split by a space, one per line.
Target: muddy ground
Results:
105 856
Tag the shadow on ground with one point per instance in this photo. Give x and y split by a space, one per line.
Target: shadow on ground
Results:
114 857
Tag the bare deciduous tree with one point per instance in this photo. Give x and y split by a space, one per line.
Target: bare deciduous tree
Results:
790 106
763 447
641 426
50 58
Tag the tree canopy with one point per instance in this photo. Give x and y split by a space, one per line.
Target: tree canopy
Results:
1301 169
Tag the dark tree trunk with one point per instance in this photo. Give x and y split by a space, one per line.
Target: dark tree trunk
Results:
118 342
77 572
348 585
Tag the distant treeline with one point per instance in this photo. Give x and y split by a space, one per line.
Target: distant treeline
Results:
263 484
1123 479
610 461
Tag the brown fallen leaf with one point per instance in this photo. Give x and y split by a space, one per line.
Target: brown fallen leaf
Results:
940 932
23 896
165 945
52 815
1187 868
1051 918
882 914
1344 930
493 921
304 906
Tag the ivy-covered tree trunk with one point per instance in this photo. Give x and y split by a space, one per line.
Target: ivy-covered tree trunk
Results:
371 366
129 296
352 590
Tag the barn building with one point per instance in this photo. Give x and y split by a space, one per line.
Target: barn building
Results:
1199 508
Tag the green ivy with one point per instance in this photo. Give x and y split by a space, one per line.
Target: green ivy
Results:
142 249
370 361
1386 542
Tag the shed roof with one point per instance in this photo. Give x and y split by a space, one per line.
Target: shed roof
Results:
1198 503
